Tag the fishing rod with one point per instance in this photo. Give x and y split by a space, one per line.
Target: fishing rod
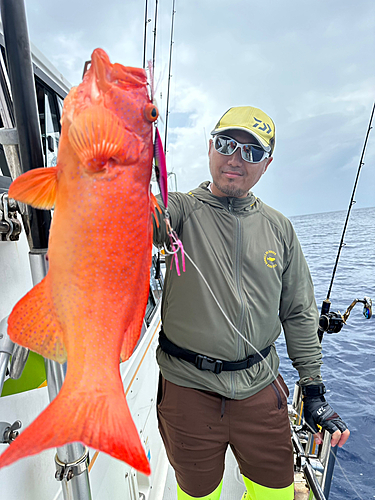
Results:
169 80
154 46
145 35
332 322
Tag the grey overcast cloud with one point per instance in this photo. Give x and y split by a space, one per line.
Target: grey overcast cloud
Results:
309 65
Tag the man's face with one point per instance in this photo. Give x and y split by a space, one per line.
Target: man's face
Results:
232 175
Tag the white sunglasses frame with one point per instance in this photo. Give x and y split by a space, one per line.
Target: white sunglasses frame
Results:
239 144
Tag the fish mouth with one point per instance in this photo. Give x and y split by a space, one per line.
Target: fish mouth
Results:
100 80
106 74
100 132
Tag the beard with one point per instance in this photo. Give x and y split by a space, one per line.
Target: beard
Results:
230 190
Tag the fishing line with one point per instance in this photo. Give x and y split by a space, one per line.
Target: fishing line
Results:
232 325
258 352
169 79
347 479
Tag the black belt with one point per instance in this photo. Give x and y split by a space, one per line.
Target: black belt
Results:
203 362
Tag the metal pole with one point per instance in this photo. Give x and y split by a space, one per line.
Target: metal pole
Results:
21 77
73 456
313 482
329 470
6 350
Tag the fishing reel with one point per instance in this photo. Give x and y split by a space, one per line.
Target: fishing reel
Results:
332 322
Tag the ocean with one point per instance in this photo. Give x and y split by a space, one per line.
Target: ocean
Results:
349 356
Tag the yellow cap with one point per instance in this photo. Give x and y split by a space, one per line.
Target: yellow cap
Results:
249 119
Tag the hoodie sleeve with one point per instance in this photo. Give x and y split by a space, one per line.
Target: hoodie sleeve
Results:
175 210
299 314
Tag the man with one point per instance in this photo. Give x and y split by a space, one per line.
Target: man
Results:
219 367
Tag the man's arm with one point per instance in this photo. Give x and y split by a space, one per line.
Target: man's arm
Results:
175 211
299 316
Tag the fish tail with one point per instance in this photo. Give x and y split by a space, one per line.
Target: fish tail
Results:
102 422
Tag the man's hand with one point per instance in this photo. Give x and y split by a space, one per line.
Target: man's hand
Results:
317 411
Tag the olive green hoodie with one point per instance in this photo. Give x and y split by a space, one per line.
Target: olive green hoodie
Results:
250 256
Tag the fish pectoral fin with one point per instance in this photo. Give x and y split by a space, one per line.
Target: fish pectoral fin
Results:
36 187
33 324
97 135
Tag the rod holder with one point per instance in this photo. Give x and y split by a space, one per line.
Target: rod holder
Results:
6 350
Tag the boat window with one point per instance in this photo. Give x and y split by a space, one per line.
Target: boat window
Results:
60 104
49 119
4 169
6 110
41 110
49 109
52 129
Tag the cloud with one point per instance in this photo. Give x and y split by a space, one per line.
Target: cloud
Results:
308 65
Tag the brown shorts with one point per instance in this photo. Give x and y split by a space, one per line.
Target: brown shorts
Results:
197 426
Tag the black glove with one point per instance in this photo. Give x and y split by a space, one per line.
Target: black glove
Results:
316 410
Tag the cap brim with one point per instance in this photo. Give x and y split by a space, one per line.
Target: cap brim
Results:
264 145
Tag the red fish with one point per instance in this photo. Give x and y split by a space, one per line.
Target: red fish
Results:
90 307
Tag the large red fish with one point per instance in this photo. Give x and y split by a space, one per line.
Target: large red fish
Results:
90 306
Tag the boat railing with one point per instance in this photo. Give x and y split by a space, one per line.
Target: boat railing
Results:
315 462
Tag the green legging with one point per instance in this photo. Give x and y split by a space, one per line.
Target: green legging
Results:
253 491
215 495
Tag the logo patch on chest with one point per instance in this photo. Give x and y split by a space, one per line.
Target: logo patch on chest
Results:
270 259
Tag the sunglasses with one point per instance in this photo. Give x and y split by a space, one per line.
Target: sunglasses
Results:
249 152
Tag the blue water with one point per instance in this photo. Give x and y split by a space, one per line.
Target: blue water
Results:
349 356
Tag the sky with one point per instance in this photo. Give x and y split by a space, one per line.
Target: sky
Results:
309 65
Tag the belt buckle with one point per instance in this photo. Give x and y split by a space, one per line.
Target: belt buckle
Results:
205 363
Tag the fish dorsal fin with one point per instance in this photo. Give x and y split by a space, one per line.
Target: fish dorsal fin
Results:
37 187
96 135
34 324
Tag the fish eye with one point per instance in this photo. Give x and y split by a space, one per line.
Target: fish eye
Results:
151 112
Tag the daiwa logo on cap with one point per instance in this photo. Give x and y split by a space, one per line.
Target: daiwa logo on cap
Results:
251 120
265 126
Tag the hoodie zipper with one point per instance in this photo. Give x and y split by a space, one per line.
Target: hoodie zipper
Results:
237 281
